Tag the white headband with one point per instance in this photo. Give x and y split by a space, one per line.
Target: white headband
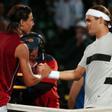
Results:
96 13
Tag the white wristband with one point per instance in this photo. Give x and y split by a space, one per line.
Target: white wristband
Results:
54 75
38 76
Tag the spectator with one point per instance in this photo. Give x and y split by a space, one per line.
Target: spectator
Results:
45 93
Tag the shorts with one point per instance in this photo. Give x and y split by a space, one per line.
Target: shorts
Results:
3 108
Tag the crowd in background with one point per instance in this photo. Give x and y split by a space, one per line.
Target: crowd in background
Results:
62 24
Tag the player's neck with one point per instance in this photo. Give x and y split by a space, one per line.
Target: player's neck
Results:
101 33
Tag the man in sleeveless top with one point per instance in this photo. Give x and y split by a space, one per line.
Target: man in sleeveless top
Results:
11 49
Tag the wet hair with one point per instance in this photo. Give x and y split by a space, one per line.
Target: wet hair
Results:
16 14
104 10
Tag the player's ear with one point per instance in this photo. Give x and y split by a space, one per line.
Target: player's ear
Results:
101 20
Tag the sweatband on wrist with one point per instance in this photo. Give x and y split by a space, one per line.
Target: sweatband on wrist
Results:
97 13
38 76
54 75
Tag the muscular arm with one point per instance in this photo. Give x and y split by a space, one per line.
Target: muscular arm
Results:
22 53
74 91
46 71
72 74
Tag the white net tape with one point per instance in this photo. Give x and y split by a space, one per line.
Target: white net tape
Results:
25 108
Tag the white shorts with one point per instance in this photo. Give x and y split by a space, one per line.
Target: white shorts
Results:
3 109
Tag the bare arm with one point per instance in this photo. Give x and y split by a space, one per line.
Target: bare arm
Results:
75 74
74 91
72 74
22 53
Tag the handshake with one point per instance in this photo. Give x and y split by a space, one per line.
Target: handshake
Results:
47 66
43 64
45 70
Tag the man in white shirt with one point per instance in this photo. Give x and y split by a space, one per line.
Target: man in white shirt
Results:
96 61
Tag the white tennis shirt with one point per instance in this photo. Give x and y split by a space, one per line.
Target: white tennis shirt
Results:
97 60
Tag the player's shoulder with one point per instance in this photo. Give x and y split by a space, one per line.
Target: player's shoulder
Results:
89 46
110 35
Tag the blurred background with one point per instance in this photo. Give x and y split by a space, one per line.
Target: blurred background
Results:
63 26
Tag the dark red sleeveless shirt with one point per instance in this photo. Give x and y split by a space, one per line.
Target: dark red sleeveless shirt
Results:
8 44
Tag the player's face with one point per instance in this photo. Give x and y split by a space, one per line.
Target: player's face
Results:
27 24
92 25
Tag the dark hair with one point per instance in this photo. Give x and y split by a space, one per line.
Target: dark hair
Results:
104 10
34 41
16 14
